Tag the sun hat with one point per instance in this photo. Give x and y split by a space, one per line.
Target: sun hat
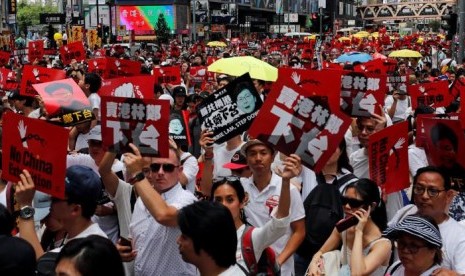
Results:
416 226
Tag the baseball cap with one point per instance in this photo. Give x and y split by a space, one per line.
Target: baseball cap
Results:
82 184
179 91
251 143
167 97
95 133
416 226
14 95
41 204
238 161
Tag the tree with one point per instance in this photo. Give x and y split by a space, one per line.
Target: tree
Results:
435 25
162 29
28 14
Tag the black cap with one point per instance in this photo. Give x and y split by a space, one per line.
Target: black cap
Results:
179 91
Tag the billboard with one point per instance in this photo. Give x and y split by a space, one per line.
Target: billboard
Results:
144 18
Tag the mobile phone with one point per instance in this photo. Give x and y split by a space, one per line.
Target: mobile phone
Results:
346 223
125 242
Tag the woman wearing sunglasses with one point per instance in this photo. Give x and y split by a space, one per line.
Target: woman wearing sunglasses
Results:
229 192
364 251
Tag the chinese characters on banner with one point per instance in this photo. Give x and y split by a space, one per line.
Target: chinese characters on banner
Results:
445 148
38 74
143 122
35 50
74 50
28 146
123 67
171 75
301 119
434 94
8 80
375 66
396 82
362 93
388 158
229 111
64 98
131 87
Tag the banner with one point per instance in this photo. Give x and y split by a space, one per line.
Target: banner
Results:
77 33
375 66
198 74
35 50
171 75
64 98
445 148
8 80
229 111
123 67
143 122
303 119
396 82
388 158
38 74
362 93
28 146
73 50
435 94
4 57
99 66
140 87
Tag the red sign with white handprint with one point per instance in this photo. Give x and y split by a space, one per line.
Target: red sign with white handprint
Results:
72 51
123 67
171 75
140 87
434 94
8 80
35 50
38 74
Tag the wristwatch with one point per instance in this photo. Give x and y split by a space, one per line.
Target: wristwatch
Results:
26 212
138 177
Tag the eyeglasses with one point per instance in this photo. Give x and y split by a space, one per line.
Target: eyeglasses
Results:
420 190
410 248
226 179
155 167
353 202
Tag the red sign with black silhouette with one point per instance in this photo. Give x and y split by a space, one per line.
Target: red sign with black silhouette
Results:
143 122
388 158
35 50
74 50
64 98
171 75
434 94
140 87
38 74
303 116
28 146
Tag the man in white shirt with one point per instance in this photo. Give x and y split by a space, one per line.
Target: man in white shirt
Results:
396 105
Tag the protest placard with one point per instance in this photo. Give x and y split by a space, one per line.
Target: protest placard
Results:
435 94
8 80
362 93
388 158
171 75
123 67
70 51
40 148
230 110
37 74
66 100
178 130
4 57
420 133
375 66
198 74
302 119
143 122
445 148
99 66
396 82
129 87
35 50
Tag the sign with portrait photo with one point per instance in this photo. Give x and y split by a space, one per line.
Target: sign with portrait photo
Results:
28 146
388 158
129 87
178 130
66 100
445 148
143 122
303 119
38 74
230 110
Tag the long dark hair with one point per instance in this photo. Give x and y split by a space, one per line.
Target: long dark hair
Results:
236 184
343 161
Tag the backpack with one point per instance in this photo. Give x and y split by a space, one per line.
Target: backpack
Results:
323 209
46 264
266 265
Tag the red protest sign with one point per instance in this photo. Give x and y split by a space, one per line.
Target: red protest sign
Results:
388 158
301 119
375 66
143 122
8 80
462 109
435 94
130 87
396 82
35 50
4 57
457 87
445 148
362 93
99 66
74 50
123 67
171 75
28 146
198 74
66 99
38 74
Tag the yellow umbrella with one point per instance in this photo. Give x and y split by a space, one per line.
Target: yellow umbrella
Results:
216 44
237 66
310 37
375 34
406 53
441 36
362 34
344 38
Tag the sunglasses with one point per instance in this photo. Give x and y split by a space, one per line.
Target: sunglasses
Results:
353 202
226 179
155 167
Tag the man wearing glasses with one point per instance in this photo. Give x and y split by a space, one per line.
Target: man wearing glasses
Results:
153 225
432 194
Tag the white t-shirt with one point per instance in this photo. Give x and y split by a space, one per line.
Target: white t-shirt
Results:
93 229
401 107
400 270
261 204
416 159
95 100
190 168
